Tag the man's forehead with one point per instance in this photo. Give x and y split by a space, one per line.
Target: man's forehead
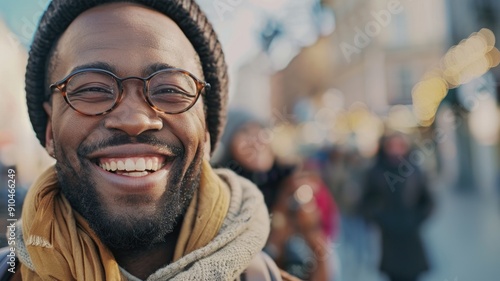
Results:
124 16
131 11
118 27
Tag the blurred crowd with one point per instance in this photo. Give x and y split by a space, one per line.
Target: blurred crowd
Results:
333 200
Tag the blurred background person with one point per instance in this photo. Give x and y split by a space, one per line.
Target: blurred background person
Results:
303 211
343 169
397 200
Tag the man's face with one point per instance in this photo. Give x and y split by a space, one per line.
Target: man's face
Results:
131 208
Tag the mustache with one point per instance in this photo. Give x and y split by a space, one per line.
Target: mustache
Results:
122 139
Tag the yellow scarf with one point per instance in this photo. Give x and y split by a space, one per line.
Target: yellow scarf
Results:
62 246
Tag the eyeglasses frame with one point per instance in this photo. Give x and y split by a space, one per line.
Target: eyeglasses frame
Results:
62 84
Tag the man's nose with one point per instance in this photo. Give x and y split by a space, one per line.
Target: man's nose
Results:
133 115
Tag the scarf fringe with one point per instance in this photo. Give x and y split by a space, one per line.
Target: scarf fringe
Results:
38 241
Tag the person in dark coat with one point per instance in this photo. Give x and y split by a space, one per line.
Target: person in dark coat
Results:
397 200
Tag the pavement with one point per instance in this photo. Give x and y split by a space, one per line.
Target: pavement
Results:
462 239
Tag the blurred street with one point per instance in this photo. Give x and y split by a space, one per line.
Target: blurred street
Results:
461 238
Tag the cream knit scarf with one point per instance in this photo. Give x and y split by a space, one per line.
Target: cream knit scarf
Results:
241 236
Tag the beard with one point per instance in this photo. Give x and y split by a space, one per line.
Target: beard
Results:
129 231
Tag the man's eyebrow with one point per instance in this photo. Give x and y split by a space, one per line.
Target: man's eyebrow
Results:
156 67
98 64
106 66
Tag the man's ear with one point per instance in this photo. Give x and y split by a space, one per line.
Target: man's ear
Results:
207 147
49 136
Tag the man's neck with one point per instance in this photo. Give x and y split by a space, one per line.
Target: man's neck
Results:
143 263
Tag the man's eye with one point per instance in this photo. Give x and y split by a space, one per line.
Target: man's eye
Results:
170 90
167 91
93 90
92 94
171 94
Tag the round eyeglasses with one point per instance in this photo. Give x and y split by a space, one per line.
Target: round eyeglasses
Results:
94 91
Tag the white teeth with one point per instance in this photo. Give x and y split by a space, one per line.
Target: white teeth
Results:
129 165
140 165
134 174
113 166
155 164
132 165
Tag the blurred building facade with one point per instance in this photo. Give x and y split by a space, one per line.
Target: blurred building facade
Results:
478 136
378 51
346 86
367 68
19 147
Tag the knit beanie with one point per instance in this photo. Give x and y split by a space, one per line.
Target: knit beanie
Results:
188 16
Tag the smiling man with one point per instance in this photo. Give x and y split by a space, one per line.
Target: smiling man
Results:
129 98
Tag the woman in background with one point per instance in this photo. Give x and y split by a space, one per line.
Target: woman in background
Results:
303 211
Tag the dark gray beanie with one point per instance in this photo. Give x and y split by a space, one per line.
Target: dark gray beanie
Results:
188 16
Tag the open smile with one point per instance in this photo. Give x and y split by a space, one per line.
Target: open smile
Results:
133 160
132 166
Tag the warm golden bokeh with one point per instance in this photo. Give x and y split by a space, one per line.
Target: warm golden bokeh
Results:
470 59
